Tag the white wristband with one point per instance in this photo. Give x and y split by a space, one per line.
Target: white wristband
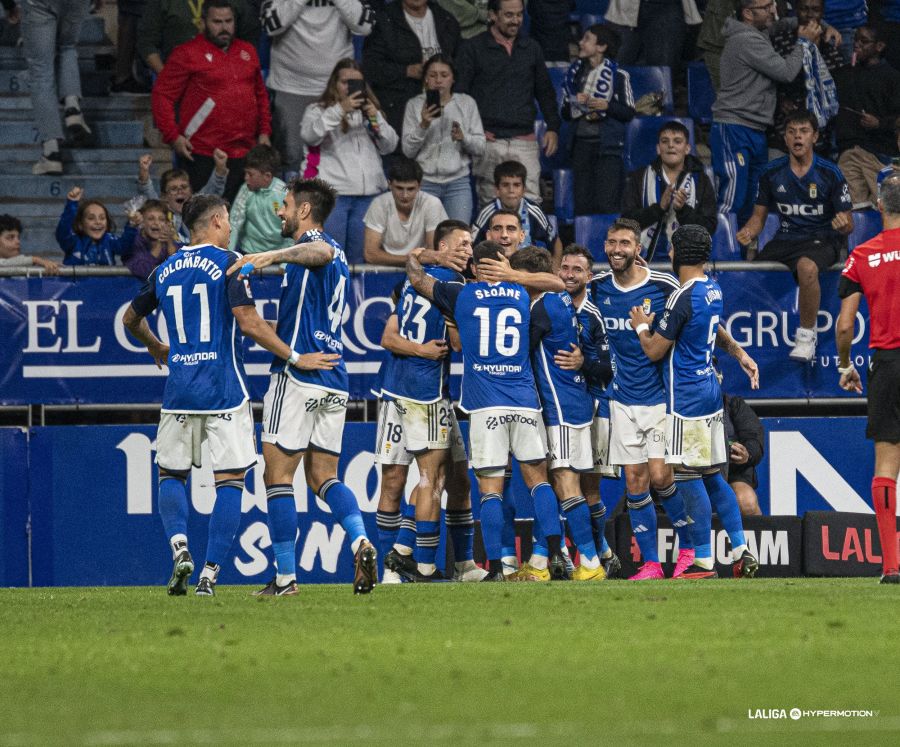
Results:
847 370
294 357
642 327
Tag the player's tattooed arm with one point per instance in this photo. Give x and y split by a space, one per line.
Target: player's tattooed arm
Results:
139 328
309 254
726 342
654 345
500 271
258 329
418 278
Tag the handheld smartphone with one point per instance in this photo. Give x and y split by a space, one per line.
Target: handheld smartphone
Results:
433 99
356 85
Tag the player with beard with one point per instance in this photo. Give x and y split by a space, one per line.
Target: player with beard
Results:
695 422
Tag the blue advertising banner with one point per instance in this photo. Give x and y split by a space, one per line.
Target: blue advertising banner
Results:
71 346
13 507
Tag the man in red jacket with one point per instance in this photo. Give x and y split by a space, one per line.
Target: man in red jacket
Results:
215 83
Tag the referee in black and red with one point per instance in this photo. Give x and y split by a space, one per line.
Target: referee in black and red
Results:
873 271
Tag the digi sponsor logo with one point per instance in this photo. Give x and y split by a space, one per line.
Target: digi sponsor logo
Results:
807 211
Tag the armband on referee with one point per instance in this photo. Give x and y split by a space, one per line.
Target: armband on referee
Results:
642 327
293 358
848 370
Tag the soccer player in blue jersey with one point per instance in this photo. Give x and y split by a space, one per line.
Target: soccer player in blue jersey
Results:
575 271
567 410
637 396
417 421
695 424
813 201
205 397
498 388
304 411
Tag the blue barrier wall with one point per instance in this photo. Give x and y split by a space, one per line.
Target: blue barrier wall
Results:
92 492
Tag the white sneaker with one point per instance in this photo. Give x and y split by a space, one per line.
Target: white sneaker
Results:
468 571
52 165
391 577
804 345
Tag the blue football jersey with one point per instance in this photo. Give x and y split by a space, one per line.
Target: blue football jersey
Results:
691 320
636 379
595 349
493 321
806 204
564 395
310 313
408 376
196 297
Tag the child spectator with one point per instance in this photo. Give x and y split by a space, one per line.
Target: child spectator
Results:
85 232
175 185
155 242
11 248
443 139
346 134
598 98
255 225
509 183
403 219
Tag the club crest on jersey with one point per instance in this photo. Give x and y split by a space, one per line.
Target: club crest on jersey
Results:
646 305
275 206
740 159
813 191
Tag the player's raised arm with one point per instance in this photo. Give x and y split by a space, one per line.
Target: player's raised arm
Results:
418 278
725 342
654 345
309 254
499 271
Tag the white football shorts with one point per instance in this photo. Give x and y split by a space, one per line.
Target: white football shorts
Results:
570 448
230 435
496 433
637 433
600 443
695 443
297 416
406 428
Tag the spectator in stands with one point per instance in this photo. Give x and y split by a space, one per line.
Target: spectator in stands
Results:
12 14
745 105
510 178
672 191
307 41
711 40
894 168
127 19
811 197
11 248
746 444
505 73
215 85
166 24
813 89
597 96
443 138
255 225
175 186
653 31
50 31
406 34
155 242
888 15
846 16
85 232
869 92
403 219
550 27
471 15
346 134
505 228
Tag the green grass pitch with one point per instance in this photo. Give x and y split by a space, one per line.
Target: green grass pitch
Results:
611 663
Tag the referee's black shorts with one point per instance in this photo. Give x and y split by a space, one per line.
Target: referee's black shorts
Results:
884 397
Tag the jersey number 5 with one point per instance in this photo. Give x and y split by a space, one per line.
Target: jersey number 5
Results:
506 338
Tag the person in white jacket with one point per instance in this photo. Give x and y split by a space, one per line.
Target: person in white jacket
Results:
308 38
345 136
443 139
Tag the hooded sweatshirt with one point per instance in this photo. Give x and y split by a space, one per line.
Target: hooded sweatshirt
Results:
750 70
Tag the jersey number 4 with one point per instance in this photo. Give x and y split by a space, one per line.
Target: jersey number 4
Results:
506 337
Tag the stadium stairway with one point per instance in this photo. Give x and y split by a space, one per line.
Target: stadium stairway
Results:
123 127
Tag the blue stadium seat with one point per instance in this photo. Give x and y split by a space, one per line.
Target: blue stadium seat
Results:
589 19
641 134
590 231
866 224
358 47
647 79
563 195
701 94
597 7
765 236
724 246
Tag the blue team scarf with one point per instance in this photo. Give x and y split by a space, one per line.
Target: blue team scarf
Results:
653 187
821 93
603 87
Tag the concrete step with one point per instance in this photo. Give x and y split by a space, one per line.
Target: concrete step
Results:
91 56
162 157
88 167
108 133
45 211
56 187
110 108
93 82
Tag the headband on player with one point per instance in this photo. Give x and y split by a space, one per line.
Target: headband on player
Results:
691 245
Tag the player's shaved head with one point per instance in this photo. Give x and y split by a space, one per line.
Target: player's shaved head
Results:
532 259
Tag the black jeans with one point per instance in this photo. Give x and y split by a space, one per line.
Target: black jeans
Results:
599 178
200 169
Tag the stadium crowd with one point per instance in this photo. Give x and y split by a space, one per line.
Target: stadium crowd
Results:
442 132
